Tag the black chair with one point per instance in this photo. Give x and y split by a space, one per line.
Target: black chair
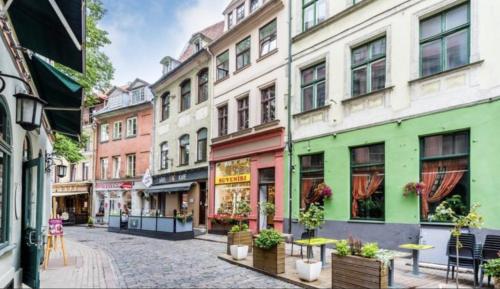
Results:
469 255
491 249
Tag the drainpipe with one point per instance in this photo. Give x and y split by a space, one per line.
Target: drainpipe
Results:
289 118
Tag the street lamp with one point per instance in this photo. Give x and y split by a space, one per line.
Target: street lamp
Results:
29 111
61 170
50 161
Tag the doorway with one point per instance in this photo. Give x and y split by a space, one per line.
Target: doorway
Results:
203 204
267 194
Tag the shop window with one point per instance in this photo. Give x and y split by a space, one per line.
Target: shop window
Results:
444 40
368 67
243 113
185 95
203 85
367 182
232 185
313 87
268 104
164 156
444 174
184 150
165 106
4 173
311 175
222 120
132 127
223 65
243 53
202 145
267 36
131 165
313 13
117 130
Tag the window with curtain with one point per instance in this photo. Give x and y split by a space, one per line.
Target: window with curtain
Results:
311 174
445 174
267 39
367 182
185 95
368 67
202 145
313 87
203 85
313 13
223 65
243 53
184 150
243 116
444 40
268 104
164 156
165 106
222 120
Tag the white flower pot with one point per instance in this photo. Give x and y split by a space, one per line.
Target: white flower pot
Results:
309 271
239 252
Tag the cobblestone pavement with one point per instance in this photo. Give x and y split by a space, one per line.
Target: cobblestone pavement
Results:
144 262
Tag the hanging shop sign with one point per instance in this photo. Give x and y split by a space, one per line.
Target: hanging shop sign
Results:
115 186
232 172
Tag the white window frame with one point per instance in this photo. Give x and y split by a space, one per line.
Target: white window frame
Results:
104 168
116 167
104 136
119 130
131 170
131 126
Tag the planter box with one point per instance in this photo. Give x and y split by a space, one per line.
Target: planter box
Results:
358 272
220 229
271 261
245 238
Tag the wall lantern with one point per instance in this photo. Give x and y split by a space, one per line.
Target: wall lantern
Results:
29 111
50 160
61 170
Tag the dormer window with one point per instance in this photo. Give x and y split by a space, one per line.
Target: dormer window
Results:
230 20
197 45
254 4
138 95
240 12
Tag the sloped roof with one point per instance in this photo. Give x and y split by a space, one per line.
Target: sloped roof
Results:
211 32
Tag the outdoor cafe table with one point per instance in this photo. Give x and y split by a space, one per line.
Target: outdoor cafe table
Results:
314 242
416 250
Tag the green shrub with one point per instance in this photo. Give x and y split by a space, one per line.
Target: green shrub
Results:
369 250
268 239
343 248
492 268
238 228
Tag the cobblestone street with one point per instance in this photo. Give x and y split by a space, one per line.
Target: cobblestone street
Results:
144 262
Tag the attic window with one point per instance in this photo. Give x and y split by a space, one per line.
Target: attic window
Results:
197 45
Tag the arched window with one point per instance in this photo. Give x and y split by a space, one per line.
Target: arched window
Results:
202 145
165 106
184 150
185 95
203 85
5 151
164 156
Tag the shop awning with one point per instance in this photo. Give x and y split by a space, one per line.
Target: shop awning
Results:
62 94
52 28
65 194
170 188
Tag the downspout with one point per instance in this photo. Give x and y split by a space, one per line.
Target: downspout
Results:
289 118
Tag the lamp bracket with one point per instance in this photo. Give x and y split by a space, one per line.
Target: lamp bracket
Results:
2 87
50 161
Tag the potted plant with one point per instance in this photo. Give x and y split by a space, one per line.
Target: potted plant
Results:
413 188
90 222
267 208
239 250
269 252
492 268
312 219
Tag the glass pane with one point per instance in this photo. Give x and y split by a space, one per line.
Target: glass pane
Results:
430 27
307 98
308 17
31 215
2 124
320 10
2 177
266 176
378 48
378 75
456 17
368 182
360 55
312 162
243 45
268 30
320 72
308 182
307 76
457 50
433 146
359 81
320 94
461 145
223 57
202 134
431 57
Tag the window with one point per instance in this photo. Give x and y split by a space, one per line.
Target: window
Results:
72 173
117 130
104 132
197 45
313 87
243 53
5 146
223 65
138 95
268 104
368 67
313 12
444 174
254 4
268 38
444 40
240 12
132 127
243 113
202 144
184 150
85 171
164 156
104 168
367 182
311 175
165 106
222 120
185 95
203 85
131 165
230 20
116 167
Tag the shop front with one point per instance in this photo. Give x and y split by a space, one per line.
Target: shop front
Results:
247 169
114 199
71 202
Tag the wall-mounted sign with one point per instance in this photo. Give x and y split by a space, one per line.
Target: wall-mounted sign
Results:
182 176
232 179
114 186
231 172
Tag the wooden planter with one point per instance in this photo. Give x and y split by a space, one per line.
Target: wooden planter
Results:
271 261
358 272
244 238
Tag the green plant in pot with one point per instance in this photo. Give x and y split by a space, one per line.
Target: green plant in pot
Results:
269 252
492 268
240 251
90 222
311 219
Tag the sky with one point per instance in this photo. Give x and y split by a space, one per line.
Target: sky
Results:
142 32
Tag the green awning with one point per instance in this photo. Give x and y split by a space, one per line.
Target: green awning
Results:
62 94
39 28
